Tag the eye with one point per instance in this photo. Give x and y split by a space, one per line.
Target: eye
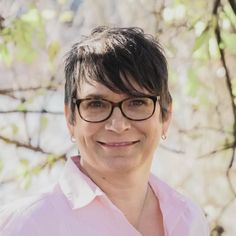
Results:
137 102
95 104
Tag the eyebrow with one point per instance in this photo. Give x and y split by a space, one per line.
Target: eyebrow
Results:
106 96
96 96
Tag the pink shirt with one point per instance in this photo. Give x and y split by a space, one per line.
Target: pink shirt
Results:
77 207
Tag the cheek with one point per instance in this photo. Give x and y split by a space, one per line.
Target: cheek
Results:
150 130
86 132
154 131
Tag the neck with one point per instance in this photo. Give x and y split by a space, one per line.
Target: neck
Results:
128 191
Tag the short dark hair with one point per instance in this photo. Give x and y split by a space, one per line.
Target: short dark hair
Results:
117 57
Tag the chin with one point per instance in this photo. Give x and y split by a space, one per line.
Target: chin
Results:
122 164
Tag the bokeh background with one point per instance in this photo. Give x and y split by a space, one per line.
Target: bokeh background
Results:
199 38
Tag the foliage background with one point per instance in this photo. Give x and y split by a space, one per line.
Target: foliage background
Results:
199 38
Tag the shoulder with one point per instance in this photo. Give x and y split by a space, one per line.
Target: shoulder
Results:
168 195
23 217
179 209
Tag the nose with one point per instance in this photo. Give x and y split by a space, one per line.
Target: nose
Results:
117 122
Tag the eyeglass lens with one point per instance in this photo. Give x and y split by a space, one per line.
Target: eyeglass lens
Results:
97 110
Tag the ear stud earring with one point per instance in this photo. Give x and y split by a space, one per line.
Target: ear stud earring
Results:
163 137
72 138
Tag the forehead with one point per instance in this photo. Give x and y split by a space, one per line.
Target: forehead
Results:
94 88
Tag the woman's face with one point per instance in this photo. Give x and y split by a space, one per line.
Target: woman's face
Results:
117 144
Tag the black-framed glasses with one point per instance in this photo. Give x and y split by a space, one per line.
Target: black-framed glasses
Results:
98 110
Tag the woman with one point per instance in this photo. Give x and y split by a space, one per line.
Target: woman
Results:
117 107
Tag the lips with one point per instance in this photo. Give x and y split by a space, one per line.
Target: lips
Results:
118 144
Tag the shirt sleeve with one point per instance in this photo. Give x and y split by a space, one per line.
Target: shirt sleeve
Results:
15 222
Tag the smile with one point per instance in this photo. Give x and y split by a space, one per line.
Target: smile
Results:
118 144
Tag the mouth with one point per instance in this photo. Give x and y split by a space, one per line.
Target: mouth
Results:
118 144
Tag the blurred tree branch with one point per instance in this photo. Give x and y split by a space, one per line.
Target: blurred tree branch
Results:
19 144
22 90
43 111
49 162
230 89
218 230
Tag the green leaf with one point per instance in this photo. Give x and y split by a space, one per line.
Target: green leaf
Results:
14 128
213 22
36 170
26 54
230 14
26 182
31 17
66 16
201 40
22 36
21 107
229 40
1 165
194 135
5 54
43 122
51 159
234 87
24 162
23 169
192 83
53 49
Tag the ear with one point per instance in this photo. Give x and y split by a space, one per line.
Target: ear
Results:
166 122
70 125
